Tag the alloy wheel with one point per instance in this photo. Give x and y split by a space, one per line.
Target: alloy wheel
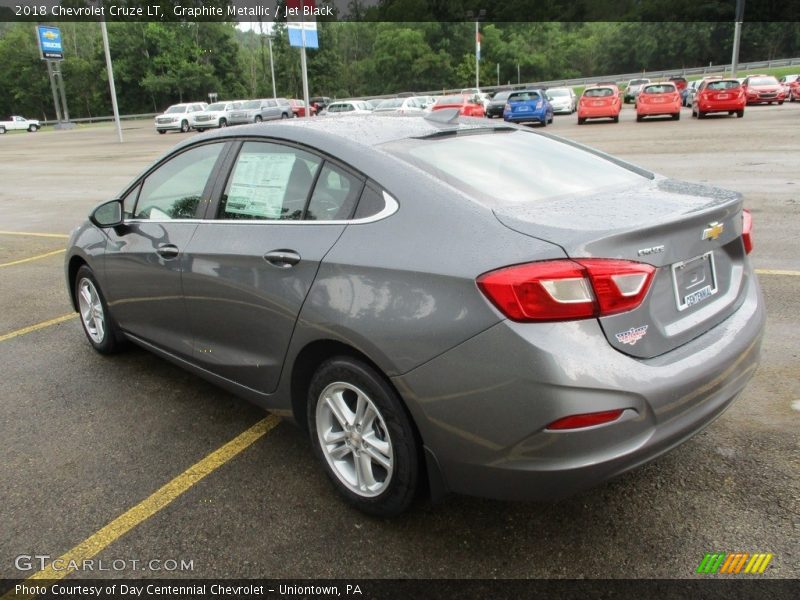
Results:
92 313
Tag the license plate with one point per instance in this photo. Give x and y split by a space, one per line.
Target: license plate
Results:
522 108
598 103
694 280
722 97
658 100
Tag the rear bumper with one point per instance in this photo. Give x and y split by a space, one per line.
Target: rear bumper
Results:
482 407
651 110
600 112
710 107
538 116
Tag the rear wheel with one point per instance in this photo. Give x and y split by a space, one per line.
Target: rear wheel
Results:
638 118
545 122
200 130
581 120
258 119
223 123
184 126
701 114
740 113
676 116
98 324
284 116
363 436
162 131
616 119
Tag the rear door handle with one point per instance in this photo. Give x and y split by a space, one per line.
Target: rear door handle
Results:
168 251
283 259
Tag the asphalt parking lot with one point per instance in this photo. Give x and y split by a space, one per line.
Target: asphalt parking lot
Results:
86 437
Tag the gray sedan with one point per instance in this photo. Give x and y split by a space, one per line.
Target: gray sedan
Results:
448 305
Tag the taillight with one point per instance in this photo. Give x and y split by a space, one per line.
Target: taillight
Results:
586 420
747 231
507 106
562 290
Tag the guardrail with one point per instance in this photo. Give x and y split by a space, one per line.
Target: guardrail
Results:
103 119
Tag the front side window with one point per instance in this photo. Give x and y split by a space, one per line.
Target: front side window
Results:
174 190
269 182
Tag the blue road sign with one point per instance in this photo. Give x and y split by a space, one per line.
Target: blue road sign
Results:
50 45
296 39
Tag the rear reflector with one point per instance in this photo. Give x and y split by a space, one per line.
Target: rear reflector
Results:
585 420
747 231
563 290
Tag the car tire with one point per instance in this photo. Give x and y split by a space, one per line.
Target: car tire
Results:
638 118
701 114
184 126
2 130
162 131
258 119
223 123
33 128
382 443
615 119
200 129
581 121
739 114
780 102
284 116
99 326
676 116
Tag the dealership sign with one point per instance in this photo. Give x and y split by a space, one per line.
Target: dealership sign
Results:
302 24
50 44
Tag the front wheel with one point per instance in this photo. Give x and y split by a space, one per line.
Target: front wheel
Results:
223 123
363 436
162 131
780 102
33 128
184 126
2 130
98 324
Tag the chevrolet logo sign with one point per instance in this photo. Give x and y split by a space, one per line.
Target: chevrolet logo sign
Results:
713 231
50 35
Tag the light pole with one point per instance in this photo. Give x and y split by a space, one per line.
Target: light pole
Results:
477 18
737 35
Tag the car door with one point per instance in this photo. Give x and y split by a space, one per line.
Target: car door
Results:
251 263
270 110
145 256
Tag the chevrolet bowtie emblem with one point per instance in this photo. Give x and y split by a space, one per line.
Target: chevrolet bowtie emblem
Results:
713 231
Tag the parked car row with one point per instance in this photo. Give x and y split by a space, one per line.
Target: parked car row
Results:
201 116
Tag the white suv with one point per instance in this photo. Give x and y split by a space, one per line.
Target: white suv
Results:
178 117
215 115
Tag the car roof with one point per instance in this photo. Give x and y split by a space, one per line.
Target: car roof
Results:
361 130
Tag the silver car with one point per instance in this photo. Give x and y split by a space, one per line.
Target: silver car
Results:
216 115
480 307
563 100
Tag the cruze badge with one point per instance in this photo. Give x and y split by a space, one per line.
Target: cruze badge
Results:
633 335
713 231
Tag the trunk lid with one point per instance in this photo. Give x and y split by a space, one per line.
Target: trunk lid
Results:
691 233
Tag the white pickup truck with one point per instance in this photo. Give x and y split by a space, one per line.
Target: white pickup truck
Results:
16 122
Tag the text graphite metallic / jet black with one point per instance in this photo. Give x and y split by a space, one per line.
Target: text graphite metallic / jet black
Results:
474 306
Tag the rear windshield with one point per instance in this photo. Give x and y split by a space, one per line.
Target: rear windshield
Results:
599 92
763 81
512 168
524 96
659 88
728 84
451 100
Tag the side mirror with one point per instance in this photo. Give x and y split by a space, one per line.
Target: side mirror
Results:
108 214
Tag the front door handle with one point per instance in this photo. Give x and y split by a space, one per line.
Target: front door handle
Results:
168 251
283 259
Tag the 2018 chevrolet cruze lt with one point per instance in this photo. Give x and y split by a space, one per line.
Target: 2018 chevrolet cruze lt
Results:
480 308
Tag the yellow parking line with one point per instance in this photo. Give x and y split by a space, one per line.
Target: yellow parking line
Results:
32 234
37 257
778 272
148 507
37 327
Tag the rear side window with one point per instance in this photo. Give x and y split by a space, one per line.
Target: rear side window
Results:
174 189
509 169
372 202
335 195
269 182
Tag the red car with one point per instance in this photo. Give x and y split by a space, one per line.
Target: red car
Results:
599 102
299 108
719 95
791 87
469 106
761 89
658 99
680 82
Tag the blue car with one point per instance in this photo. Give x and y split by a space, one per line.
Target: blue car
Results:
528 106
